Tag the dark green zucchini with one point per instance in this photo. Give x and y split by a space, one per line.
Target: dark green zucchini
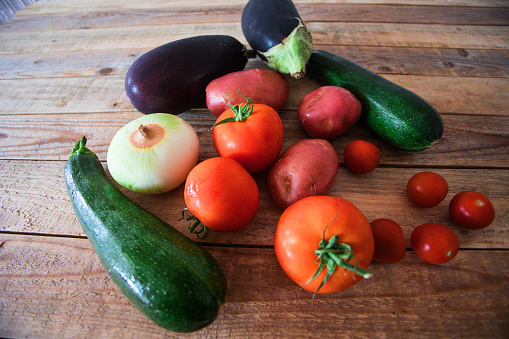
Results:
396 114
168 277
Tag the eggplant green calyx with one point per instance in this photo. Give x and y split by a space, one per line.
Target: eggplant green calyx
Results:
292 54
79 148
195 225
332 254
240 111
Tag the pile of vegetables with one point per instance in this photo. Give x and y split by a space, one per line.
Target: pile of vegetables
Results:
324 244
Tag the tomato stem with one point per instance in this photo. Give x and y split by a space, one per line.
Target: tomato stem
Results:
240 111
202 232
332 254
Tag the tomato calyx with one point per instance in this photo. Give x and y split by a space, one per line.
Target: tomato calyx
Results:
195 225
332 254
241 111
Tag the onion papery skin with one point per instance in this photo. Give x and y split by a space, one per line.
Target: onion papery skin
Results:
160 167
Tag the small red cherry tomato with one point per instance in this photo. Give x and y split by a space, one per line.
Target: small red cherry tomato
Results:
390 245
434 243
251 134
361 156
427 189
472 210
221 194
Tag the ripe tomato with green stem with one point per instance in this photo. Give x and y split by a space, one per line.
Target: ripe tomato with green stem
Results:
472 210
221 195
249 133
390 247
427 189
434 243
324 244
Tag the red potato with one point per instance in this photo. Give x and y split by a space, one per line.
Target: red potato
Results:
308 167
263 86
328 112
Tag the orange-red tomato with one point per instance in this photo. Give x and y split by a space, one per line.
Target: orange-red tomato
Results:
303 226
254 142
361 156
427 189
434 243
390 247
221 194
472 210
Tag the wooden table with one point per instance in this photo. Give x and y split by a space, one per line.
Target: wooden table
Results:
62 68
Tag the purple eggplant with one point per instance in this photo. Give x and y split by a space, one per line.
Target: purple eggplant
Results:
276 32
172 78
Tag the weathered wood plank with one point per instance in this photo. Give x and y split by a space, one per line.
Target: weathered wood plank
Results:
404 13
426 61
466 95
328 33
59 95
381 60
92 17
75 6
110 38
68 64
57 287
410 35
453 53
33 199
472 141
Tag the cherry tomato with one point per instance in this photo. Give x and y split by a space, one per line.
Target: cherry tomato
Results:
252 135
427 189
313 223
361 156
390 245
472 210
434 243
221 194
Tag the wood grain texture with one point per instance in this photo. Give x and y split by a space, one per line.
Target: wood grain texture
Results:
71 293
328 33
41 204
94 17
470 95
410 35
381 60
76 6
62 69
468 141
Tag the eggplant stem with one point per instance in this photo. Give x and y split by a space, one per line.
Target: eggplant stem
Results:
250 53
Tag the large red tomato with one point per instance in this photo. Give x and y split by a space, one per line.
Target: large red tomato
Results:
221 194
252 135
311 224
472 210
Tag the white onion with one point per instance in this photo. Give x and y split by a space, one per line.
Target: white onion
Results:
153 154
